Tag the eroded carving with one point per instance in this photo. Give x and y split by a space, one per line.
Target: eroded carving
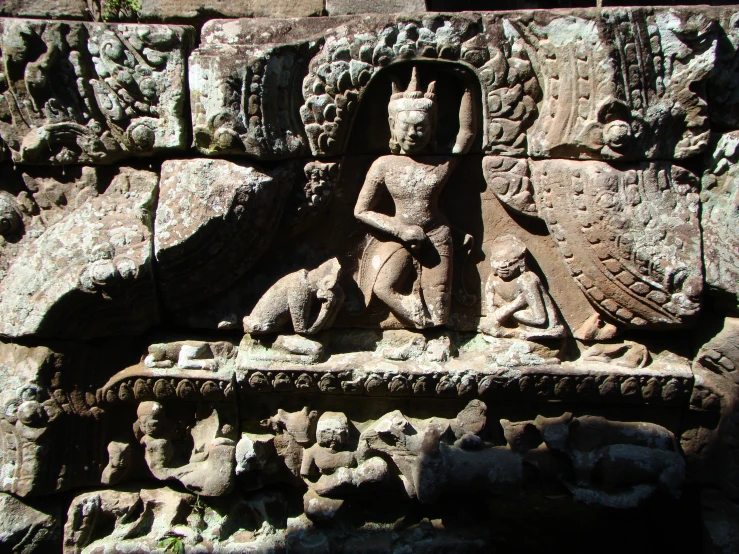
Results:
95 260
210 468
623 84
116 90
615 464
233 211
719 211
632 243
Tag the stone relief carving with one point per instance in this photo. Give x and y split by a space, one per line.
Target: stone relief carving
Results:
633 241
96 259
719 208
27 429
246 106
517 303
308 300
226 201
623 85
615 464
117 90
209 470
416 309
420 245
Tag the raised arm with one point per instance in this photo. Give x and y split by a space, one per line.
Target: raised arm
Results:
467 123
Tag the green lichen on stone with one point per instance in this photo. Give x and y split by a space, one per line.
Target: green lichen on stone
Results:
114 10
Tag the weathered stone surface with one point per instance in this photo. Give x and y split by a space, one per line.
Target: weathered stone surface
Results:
609 108
720 210
723 87
152 520
614 464
632 242
344 53
89 274
213 214
347 7
509 193
35 198
620 83
200 10
116 91
709 438
22 366
210 471
28 530
51 9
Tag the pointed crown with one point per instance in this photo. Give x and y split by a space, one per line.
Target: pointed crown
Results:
412 99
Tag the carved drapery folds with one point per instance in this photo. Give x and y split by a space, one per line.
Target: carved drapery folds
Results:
408 257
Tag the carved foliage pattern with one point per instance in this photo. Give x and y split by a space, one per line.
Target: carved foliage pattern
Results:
90 93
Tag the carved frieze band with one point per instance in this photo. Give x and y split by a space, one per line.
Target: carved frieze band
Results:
534 383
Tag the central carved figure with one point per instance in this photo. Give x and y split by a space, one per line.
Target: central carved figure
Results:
408 263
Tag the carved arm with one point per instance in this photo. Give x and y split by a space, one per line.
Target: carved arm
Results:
467 123
369 198
536 314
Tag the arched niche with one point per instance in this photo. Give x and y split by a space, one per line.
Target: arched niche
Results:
343 71
370 132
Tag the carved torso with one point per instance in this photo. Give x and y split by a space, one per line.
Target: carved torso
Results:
415 185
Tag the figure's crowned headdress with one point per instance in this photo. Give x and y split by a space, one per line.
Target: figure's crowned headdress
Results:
412 99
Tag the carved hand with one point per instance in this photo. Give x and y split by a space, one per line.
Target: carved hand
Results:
505 311
413 235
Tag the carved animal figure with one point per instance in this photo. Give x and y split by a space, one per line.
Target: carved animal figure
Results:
310 300
183 354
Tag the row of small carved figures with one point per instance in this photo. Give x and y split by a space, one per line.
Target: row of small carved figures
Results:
633 388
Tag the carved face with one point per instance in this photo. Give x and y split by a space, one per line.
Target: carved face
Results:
508 257
507 268
152 418
332 432
411 130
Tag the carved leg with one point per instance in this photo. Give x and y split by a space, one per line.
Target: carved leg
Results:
407 307
436 288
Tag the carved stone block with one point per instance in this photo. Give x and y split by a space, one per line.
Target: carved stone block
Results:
249 78
632 241
720 208
213 214
66 9
96 260
29 528
346 7
201 10
116 90
622 83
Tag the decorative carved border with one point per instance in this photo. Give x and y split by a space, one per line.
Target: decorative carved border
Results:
543 383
